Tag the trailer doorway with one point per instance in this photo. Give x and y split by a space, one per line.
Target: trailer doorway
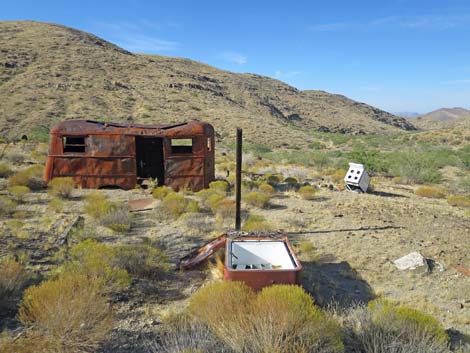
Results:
149 158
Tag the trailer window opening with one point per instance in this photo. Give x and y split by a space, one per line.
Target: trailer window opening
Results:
74 144
181 146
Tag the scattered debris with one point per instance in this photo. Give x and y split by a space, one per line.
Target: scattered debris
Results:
357 178
464 271
148 203
412 261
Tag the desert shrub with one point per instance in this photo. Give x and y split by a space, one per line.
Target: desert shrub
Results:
174 205
61 187
96 204
430 192
266 188
197 224
96 261
213 202
70 312
459 201
414 167
109 214
32 342
306 250
362 332
56 205
273 179
374 161
161 192
18 192
181 333
256 223
13 279
257 199
142 260
7 206
30 177
226 210
338 175
307 192
291 181
220 186
14 157
5 170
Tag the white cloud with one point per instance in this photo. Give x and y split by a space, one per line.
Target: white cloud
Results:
233 57
288 74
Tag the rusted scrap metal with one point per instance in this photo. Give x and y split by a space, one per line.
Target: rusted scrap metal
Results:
258 259
146 204
99 155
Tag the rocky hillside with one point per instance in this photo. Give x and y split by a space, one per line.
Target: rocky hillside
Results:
50 72
445 117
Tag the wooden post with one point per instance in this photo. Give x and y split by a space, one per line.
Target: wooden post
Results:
238 182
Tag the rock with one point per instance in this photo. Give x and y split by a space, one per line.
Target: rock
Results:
412 261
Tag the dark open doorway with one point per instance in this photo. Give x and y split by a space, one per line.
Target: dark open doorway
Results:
149 158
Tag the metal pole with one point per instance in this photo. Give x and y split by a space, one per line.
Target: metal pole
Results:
238 182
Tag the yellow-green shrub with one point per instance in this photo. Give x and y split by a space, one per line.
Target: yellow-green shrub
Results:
70 312
338 175
273 179
161 191
459 201
431 192
61 187
13 279
257 199
5 170
109 214
213 202
18 192
405 319
7 206
307 192
96 204
226 210
30 177
96 261
256 223
267 189
219 185
56 205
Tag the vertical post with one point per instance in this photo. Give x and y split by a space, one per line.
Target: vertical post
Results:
238 183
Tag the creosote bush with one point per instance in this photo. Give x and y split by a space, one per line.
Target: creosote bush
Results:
61 187
18 192
266 188
431 192
13 279
257 199
220 186
161 191
174 205
279 319
5 170
56 205
7 206
307 192
109 214
30 177
98 262
256 223
459 201
69 312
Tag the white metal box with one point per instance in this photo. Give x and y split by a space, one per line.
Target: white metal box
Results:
356 178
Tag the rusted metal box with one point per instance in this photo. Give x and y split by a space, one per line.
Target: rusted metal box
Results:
98 154
261 261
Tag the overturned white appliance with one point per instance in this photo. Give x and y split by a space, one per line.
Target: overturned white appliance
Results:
357 178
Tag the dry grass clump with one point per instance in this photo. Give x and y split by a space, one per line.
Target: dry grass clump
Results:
5 170
279 319
161 191
30 177
7 206
256 223
431 192
225 210
459 201
257 199
13 279
174 205
98 262
142 260
18 192
306 250
307 192
338 175
61 187
387 328
197 224
109 214
15 157
70 313
56 205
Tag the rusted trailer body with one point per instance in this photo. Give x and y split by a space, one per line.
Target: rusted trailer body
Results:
98 155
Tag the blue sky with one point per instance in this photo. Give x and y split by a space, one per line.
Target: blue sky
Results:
399 55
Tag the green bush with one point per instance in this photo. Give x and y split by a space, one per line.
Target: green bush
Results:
225 210
18 192
214 201
56 205
98 262
307 192
7 206
459 201
13 279
257 199
70 313
266 188
61 187
161 192
142 260
5 170
413 167
30 177
109 214
256 223
220 186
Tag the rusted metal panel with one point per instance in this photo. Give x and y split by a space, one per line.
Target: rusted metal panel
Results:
100 154
201 254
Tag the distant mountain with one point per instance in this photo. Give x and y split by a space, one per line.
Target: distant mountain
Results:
407 114
444 117
49 73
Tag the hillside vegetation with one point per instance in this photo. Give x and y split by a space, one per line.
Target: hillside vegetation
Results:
50 72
